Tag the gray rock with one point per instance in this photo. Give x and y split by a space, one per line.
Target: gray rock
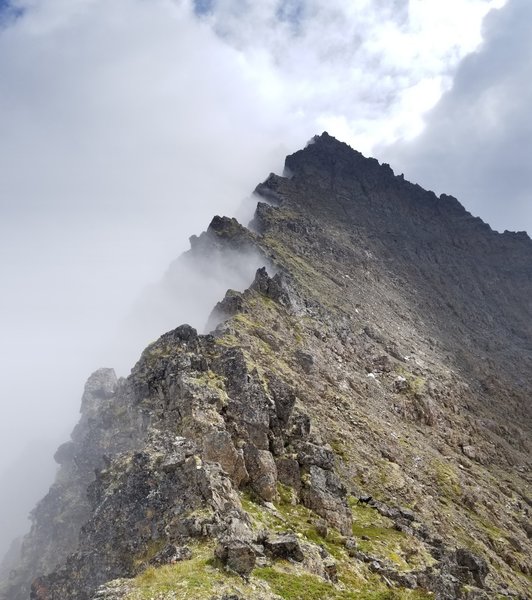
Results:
231 305
248 408
470 452
475 565
299 426
400 384
330 570
351 546
321 528
285 546
262 471
218 446
275 288
101 385
65 453
236 555
288 472
323 493
306 360
407 514
171 554
284 398
311 454
114 590
181 450
375 566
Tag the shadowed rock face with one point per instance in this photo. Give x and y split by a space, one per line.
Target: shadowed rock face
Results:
362 410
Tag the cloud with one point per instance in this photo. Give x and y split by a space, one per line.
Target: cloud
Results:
126 125
478 139
364 70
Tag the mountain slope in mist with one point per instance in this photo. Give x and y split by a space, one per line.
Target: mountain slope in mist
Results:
356 424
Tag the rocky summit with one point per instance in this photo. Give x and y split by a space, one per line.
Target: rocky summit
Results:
355 424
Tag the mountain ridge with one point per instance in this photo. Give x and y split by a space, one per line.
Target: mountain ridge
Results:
349 426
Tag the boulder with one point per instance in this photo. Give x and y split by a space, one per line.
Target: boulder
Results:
101 385
284 399
288 472
322 528
469 451
311 454
351 546
113 590
330 570
324 493
236 555
218 447
305 359
182 449
262 471
284 546
299 426
249 407
231 305
400 384
476 567
272 287
65 453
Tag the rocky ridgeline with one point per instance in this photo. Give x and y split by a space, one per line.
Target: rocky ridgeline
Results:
205 427
356 425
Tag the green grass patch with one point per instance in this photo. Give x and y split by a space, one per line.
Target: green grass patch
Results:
228 340
297 587
290 516
339 448
385 542
447 478
292 586
415 383
195 578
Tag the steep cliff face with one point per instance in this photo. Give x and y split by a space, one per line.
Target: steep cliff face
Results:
355 425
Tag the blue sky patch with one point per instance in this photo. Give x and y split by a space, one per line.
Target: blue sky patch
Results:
201 7
9 12
291 12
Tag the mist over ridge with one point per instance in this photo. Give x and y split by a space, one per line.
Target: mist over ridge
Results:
186 293
115 149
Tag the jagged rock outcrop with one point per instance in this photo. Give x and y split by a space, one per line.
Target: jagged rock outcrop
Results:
356 424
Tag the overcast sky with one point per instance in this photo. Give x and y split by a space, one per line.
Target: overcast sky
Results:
125 125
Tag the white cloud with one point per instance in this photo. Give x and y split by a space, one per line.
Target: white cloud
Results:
369 68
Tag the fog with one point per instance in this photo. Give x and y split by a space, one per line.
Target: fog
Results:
190 289
125 126
104 178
